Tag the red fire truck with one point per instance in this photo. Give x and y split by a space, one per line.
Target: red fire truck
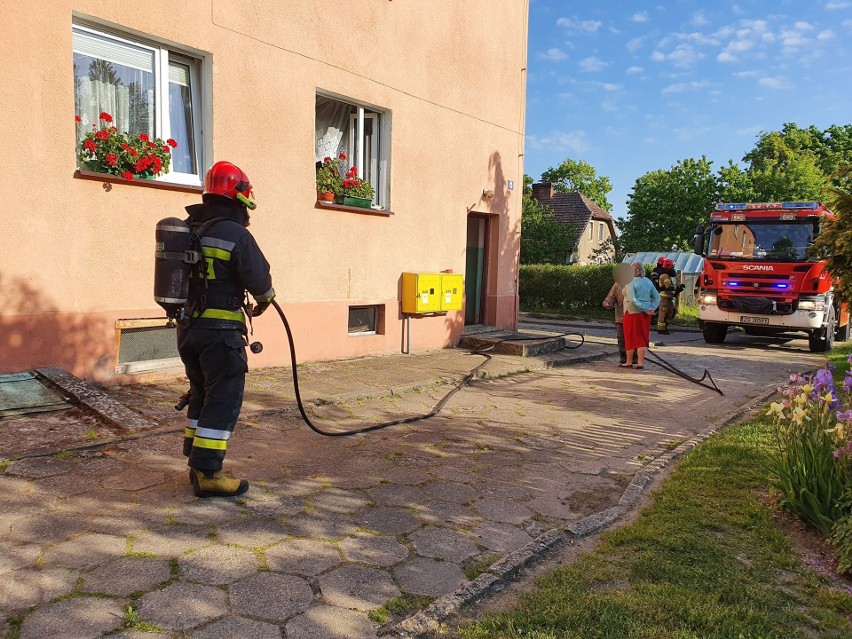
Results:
759 274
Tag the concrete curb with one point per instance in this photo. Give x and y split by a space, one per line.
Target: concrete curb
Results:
96 401
428 621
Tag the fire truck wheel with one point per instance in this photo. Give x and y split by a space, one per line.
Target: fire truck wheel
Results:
714 333
822 340
842 334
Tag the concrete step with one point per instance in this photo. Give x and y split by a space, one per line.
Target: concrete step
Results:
511 343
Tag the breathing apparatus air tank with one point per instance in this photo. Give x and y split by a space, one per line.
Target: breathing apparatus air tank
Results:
173 259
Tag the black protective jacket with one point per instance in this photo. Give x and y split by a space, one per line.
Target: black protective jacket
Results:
234 264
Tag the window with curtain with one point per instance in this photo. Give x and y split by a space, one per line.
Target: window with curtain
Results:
359 132
145 87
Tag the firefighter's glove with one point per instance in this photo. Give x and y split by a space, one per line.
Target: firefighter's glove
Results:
263 303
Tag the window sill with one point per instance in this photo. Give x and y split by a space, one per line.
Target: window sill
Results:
352 209
83 174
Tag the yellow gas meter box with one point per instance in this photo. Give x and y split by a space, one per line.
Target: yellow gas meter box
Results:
421 293
452 289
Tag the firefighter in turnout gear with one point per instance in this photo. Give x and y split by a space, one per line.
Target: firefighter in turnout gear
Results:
667 286
211 338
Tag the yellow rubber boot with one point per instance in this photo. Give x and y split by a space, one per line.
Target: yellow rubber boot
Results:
216 484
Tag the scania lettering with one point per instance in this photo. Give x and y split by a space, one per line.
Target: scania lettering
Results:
759 274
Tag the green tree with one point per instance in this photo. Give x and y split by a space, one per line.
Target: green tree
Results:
835 242
103 71
665 207
543 239
580 176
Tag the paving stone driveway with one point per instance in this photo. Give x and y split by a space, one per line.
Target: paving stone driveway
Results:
113 541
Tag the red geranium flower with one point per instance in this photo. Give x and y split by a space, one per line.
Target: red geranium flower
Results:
151 145
166 149
171 142
342 156
157 164
133 152
102 135
89 144
125 147
106 117
326 160
354 171
144 137
77 118
127 175
111 159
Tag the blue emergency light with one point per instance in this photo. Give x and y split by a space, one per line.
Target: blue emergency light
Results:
799 205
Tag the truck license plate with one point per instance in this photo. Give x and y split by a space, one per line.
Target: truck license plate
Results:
745 319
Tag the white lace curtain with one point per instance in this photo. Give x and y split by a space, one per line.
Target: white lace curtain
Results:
332 127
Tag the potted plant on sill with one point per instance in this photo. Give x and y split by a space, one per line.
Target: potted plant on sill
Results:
106 150
329 182
357 192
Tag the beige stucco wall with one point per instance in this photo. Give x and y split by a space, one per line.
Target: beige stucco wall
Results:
586 246
78 254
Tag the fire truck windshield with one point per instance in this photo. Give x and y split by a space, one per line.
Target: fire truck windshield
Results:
770 241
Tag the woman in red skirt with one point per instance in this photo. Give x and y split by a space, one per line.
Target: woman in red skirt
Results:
641 299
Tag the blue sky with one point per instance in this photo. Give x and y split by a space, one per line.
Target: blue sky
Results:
631 87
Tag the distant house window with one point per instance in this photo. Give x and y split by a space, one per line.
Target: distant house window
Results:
601 231
145 87
362 134
591 230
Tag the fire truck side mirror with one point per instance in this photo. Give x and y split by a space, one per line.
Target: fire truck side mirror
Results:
698 241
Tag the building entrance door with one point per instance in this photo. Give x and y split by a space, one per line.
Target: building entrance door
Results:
474 276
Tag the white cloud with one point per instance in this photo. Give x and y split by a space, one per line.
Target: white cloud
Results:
680 87
579 25
826 35
561 141
635 44
801 25
726 56
683 55
749 131
608 86
746 74
554 55
774 82
640 16
831 6
609 106
699 19
592 64
633 70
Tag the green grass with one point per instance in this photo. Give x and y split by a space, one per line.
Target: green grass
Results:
705 561
837 357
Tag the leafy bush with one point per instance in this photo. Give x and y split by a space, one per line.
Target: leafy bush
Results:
841 538
812 461
564 287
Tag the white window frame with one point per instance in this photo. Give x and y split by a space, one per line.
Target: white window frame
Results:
162 120
591 230
601 231
381 143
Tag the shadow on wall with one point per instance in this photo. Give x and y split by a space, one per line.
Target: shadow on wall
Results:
34 333
504 240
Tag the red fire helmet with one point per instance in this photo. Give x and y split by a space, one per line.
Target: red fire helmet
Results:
668 263
224 178
661 261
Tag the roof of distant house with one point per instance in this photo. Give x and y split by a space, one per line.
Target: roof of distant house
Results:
573 209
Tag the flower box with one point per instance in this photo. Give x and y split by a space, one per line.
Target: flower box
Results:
349 200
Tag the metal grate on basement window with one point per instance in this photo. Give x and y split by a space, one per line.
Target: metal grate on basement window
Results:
363 320
145 345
